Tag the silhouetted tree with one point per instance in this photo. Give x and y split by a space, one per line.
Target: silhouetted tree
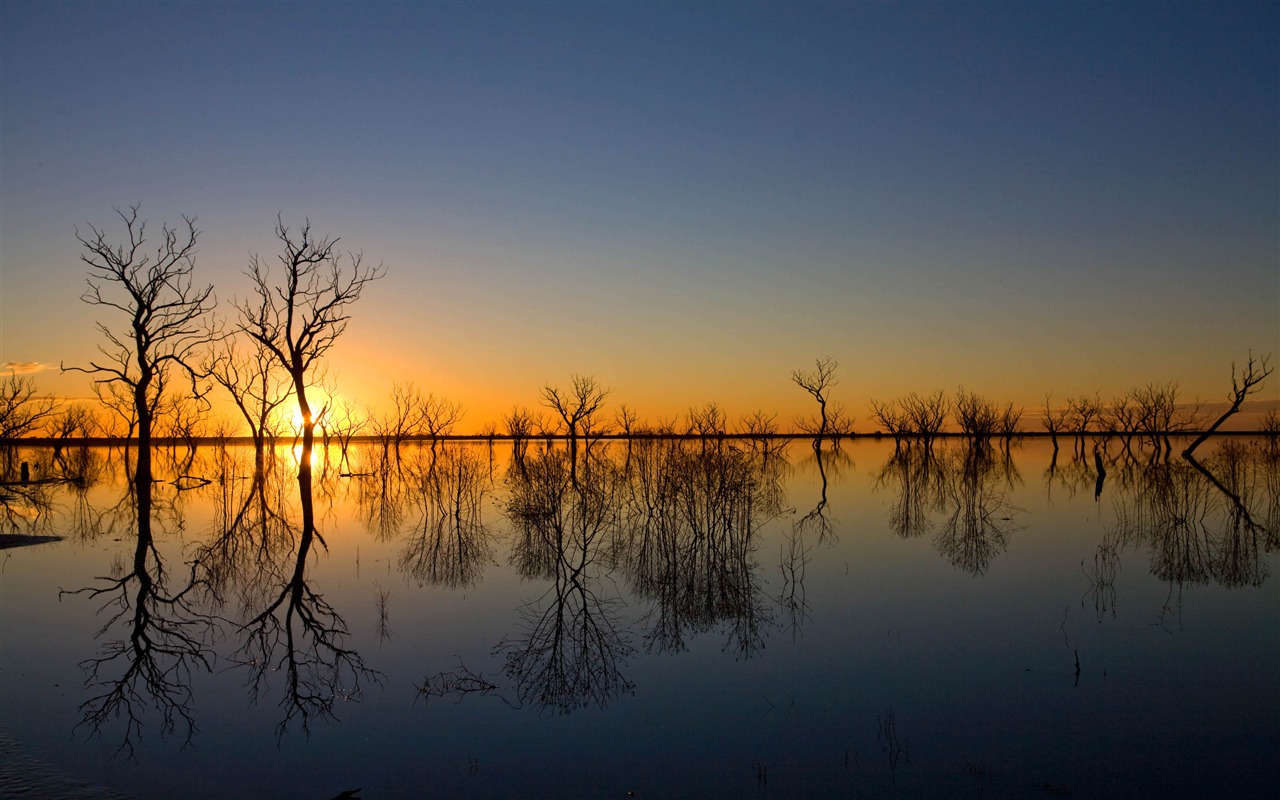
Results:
577 407
21 411
818 383
1245 383
167 324
257 384
300 318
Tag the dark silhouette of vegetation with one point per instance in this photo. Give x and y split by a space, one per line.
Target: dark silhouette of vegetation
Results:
1249 380
830 422
22 411
167 325
256 384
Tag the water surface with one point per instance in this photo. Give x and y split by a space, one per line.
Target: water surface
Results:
673 618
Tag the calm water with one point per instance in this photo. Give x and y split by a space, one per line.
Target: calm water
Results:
676 619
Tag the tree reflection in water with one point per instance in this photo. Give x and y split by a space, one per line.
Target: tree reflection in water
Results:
671 525
449 545
1204 521
969 482
163 636
570 648
296 632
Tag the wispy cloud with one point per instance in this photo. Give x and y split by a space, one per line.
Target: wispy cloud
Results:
22 367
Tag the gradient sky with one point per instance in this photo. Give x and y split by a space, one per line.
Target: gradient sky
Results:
687 201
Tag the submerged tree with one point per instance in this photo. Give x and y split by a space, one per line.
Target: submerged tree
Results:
1243 384
818 383
301 317
167 326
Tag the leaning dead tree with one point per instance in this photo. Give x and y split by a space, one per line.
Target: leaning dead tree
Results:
1244 383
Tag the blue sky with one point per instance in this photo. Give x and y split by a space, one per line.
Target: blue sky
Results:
686 200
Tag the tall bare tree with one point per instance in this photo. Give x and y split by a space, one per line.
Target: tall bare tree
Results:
167 317
818 383
298 318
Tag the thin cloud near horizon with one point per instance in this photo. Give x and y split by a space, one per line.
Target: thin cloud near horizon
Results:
23 367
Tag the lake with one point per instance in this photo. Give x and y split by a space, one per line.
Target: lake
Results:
672 618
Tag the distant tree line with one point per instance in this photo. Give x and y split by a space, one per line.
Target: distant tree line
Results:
166 351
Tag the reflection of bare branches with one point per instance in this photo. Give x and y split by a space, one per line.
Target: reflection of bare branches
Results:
818 520
1102 578
381 491
694 513
253 539
299 634
569 653
982 521
457 683
383 600
165 639
917 475
890 744
1201 520
449 544
793 559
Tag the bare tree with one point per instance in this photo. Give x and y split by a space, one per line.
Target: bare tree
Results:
439 416
926 414
1054 420
1248 380
299 319
21 411
578 406
707 421
978 417
626 419
257 385
891 417
167 325
818 383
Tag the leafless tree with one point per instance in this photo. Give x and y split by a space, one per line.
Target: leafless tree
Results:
257 384
977 416
926 414
1082 414
891 417
21 411
440 416
168 323
1054 420
1247 381
73 421
707 421
345 424
301 317
577 407
626 419
818 383
521 424
403 418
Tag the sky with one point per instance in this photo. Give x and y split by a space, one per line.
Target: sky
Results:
687 201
